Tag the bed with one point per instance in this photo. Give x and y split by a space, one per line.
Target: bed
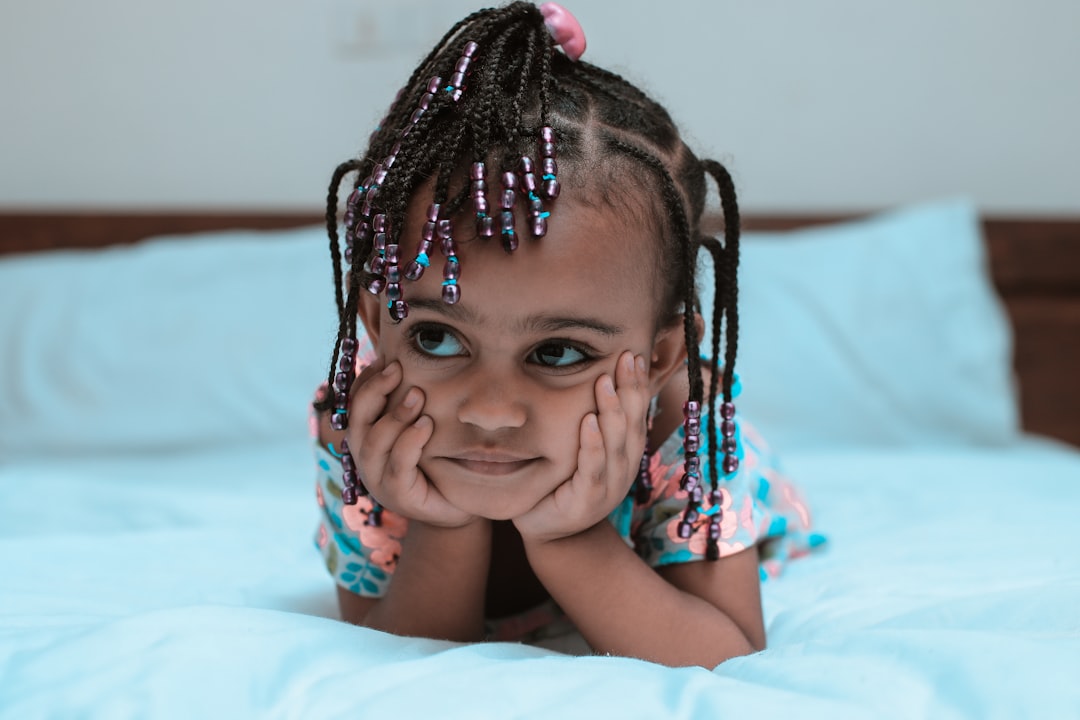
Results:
156 508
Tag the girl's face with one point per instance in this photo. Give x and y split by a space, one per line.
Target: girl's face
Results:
508 373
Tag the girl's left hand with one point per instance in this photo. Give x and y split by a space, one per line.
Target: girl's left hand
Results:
611 442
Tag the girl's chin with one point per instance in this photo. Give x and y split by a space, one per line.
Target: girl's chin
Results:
490 498
491 504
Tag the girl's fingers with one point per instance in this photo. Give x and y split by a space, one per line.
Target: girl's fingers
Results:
631 382
404 455
591 454
382 435
611 416
370 393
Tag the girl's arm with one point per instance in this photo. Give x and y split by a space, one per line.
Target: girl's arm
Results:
699 613
440 578
438 586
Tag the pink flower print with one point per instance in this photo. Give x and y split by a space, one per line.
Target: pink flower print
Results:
354 515
665 478
746 516
323 538
319 495
698 538
385 540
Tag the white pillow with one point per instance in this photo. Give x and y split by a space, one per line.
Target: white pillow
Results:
879 332
884 331
212 339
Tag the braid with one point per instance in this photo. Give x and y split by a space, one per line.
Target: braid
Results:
673 205
720 286
730 263
335 257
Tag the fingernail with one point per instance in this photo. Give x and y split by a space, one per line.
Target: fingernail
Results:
389 370
422 422
590 421
411 398
640 363
606 385
628 362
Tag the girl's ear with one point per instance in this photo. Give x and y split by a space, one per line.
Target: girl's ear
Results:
669 353
368 310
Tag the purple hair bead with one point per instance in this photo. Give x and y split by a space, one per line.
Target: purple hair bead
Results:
727 428
727 410
376 285
539 226
729 445
470 49
342 381
348 495
731 464
451 294
434 84
692 409
339 421
399 310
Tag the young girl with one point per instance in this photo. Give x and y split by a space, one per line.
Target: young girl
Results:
520 438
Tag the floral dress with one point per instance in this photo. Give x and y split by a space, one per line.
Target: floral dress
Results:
759 505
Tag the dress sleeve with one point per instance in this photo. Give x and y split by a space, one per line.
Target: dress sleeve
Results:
759 505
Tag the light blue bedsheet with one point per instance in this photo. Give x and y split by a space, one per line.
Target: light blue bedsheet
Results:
186 585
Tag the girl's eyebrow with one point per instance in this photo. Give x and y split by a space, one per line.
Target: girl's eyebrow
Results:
535 323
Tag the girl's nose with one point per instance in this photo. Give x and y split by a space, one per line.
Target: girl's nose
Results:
491 404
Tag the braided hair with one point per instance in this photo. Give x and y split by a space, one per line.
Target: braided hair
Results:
492 92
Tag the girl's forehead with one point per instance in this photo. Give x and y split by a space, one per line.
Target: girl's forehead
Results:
592 260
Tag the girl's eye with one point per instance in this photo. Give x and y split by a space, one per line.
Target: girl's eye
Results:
557 355
437 342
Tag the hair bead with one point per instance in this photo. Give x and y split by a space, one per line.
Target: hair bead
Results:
339 421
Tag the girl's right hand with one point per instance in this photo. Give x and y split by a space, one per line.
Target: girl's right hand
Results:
386 439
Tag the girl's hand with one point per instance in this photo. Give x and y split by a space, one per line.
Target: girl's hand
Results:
386 439
612 441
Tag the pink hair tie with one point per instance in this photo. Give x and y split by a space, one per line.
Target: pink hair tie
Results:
564 28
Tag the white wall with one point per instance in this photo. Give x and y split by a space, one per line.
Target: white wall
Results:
814 104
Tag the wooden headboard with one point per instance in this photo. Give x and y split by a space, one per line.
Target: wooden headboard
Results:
1035 265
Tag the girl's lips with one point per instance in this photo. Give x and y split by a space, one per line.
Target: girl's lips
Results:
491 464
